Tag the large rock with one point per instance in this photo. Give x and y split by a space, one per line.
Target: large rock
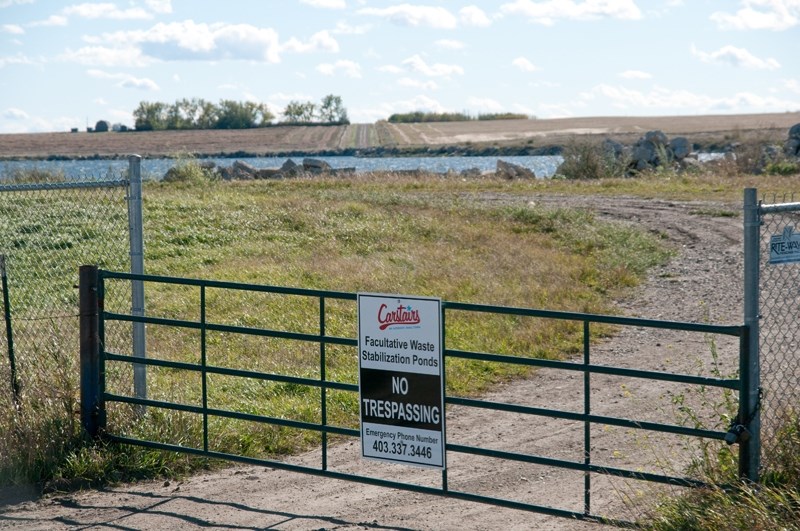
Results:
316 166
243 170
289 166
680 147
649 151
269 173
612 149
513 171
792 145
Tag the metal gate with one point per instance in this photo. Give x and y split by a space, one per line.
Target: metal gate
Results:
104 409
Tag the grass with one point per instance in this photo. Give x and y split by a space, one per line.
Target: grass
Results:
365 233
421 235
772 504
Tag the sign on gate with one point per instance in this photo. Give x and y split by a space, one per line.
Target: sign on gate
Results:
400 379
784 248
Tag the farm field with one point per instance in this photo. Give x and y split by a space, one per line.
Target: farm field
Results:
712 130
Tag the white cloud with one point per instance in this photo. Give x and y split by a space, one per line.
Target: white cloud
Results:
524 64
635 74
18 59
19 121
160 6
485 104
348 68
450 44
736 57
474 16
546 12
106 10
326 4
776 15
343 28
672 101
188 40
52 20
414 83
104 56
13 29
320 41
414 16
792 85
8 3
12 113
418 64
391 69
125 80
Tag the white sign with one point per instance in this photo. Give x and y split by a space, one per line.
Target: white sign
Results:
401 390
784 248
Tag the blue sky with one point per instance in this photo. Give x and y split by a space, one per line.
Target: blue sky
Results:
66 64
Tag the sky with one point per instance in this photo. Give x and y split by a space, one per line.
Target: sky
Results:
70 64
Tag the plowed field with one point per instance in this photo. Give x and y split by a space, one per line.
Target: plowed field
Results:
706 130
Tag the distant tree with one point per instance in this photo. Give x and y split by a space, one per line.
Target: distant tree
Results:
150 116
207 115
238 115
331 110
299 112
201 114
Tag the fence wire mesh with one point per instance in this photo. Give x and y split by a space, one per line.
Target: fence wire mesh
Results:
779 310
47 230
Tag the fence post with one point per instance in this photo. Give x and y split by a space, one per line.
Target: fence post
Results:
137 268
91 401
12 364
750 373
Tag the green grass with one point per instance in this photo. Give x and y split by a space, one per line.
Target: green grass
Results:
373 234
425 236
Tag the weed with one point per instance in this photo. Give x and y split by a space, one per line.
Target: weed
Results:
584 160
368 233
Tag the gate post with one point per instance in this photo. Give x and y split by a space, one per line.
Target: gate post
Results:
92 415
137 268
749 364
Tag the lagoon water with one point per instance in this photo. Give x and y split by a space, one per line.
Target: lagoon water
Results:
155 169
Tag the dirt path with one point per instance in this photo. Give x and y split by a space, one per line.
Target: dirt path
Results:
702 283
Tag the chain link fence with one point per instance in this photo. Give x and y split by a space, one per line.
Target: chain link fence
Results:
779 309
47 230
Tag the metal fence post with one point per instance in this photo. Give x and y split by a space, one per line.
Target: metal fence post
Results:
749 398
92 417
12 364
137 268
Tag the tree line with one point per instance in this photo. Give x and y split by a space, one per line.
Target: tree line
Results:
197 113
420 116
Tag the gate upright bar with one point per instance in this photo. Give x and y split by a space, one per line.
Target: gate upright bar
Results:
749 414
92 408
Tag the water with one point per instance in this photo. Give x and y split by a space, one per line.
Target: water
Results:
544 166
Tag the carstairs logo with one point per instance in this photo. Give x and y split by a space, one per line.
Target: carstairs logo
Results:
402 316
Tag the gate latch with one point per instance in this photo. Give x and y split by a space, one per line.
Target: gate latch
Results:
737 433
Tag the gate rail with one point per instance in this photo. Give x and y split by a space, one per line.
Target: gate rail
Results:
95 396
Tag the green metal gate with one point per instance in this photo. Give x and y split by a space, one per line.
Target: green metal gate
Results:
96 359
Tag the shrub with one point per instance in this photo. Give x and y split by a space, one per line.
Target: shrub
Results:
188 170
584 160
